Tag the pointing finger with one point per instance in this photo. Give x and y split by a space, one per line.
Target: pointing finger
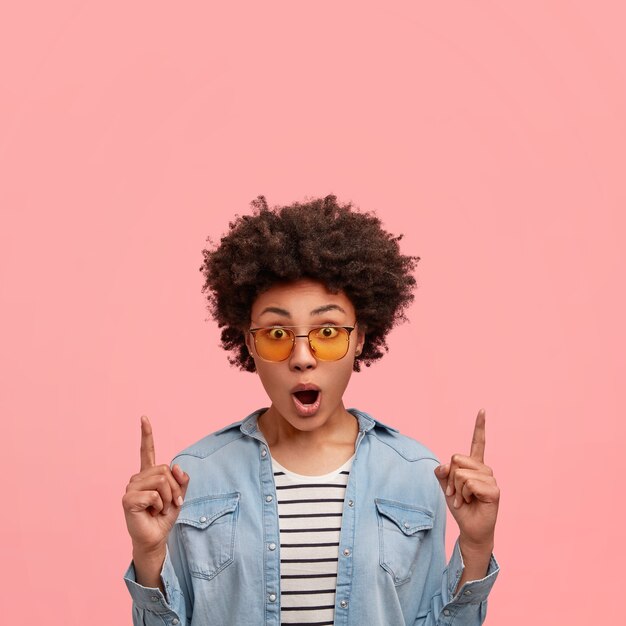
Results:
477 451
147 444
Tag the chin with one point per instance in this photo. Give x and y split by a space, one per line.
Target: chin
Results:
307 424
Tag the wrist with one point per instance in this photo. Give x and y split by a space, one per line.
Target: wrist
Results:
151 555
476 548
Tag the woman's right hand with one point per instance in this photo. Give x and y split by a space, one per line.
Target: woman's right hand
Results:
153 499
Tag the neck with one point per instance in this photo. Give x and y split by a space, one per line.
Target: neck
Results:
312 452
339 429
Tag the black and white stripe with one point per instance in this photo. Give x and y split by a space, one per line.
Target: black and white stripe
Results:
309 510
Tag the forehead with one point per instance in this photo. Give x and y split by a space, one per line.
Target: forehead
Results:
302 298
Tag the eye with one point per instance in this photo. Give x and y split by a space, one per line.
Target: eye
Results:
277 333
327 332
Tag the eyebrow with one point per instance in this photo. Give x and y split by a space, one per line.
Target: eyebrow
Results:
327 307
318 311
274 309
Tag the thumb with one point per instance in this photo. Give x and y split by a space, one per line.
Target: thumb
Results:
182 478
441 474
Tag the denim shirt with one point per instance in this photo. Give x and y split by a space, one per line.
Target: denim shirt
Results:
222 564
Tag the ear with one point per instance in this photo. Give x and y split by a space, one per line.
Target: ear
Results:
360 340
249 341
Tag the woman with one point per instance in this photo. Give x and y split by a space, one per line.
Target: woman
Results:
306 512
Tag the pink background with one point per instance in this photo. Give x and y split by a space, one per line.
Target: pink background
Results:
492 135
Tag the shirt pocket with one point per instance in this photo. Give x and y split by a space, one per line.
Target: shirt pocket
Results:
401 529
208 527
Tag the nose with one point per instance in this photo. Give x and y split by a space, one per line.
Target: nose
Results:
301 357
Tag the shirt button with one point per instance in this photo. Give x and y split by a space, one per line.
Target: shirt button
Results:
406 524
268 498
350 502
202 519
446 612
272 597
343 604
272 546
174 621
154 598
346 552
467 592
263 452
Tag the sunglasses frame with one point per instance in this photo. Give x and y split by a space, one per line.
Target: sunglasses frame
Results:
253 331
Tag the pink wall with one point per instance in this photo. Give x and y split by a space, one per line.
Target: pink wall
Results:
491 135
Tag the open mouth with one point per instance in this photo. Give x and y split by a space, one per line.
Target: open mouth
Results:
307 397
307 401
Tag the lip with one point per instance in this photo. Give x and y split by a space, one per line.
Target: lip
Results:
305 387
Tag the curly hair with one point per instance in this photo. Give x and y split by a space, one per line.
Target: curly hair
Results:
346 250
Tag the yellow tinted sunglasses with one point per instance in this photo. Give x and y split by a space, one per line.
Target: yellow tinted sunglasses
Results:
327 343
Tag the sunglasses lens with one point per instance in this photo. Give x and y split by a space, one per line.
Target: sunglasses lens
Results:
329 343
274 344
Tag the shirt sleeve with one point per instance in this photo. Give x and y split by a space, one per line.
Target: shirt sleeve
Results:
150 606
469 606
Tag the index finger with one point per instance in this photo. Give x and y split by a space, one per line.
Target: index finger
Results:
477 451
147 444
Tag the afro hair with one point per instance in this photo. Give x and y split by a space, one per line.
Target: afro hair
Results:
345 249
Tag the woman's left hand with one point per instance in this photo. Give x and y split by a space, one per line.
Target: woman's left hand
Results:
471 491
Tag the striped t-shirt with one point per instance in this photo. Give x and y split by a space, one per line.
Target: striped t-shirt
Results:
309 511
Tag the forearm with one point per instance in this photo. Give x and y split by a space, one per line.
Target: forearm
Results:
148 568
476 560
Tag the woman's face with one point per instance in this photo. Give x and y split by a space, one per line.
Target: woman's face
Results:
303 304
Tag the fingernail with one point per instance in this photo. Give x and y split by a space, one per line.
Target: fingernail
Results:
456 503
449 490
180 501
